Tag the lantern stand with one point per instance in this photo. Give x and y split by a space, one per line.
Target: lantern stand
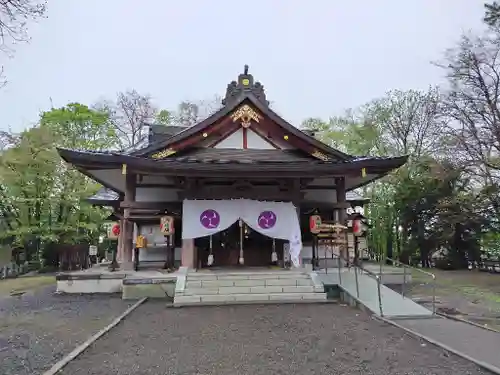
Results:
113 266
136 259
169 262
140 243
167 227
114 263
171 251
357 231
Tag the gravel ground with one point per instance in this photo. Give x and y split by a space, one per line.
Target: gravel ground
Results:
271 339
39 328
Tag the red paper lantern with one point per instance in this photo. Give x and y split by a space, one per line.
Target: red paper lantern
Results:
357 227
116 229
315 223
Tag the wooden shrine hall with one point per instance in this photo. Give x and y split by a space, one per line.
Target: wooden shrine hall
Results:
240 185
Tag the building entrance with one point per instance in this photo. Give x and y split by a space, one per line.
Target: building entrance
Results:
227 246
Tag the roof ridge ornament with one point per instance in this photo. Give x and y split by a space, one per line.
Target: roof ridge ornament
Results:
244 85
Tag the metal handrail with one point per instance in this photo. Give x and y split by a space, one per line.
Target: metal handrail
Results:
405 266
367 271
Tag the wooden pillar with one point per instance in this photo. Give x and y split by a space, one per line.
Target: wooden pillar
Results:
342 213
128 226
119 246
188 253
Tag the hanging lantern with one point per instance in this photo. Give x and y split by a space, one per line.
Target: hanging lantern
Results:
210 259
141 242
315 224
274 255
114 231
167 225
357 227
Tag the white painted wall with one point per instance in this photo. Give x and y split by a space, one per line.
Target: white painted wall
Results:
235 140
281 143
257 142
254 141
156 250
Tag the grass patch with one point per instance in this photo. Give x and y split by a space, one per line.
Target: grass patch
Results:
24 284
482 294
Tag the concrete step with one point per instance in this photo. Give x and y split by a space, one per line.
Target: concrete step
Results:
252 290
197 283
249 298
246 275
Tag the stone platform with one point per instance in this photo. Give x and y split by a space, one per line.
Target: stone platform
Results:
247 286
99 280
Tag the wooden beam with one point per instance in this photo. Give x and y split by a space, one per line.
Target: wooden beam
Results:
157 185
196 138
266 193
245 138
151 205
320 187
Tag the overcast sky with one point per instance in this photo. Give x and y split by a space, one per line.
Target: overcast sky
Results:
315 58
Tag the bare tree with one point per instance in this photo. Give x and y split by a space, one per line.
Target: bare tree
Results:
191 112
14 18
472 99
408 122
131 113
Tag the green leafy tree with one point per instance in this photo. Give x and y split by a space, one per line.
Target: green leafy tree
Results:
164 117
43 199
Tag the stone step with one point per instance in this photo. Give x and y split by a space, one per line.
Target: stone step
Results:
246 276
253 282
249 298
252 290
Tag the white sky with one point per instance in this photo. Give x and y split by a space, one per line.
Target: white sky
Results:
315 58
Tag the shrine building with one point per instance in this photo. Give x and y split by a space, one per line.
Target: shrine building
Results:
239 185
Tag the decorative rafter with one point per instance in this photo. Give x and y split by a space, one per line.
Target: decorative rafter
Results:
246 114
163 153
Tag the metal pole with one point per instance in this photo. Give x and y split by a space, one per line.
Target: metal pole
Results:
356 277
340 272
380 261
379 297
433 294
314 252
324 257
404 281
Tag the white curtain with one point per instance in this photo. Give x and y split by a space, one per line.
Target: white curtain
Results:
202 218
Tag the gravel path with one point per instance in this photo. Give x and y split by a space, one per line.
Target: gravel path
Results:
39 328
272 339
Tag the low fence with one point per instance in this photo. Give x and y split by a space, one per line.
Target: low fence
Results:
13 270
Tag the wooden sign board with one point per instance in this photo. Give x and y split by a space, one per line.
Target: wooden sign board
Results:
167 225
334 233
92 250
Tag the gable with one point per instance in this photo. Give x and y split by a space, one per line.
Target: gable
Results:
244 138
245 120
